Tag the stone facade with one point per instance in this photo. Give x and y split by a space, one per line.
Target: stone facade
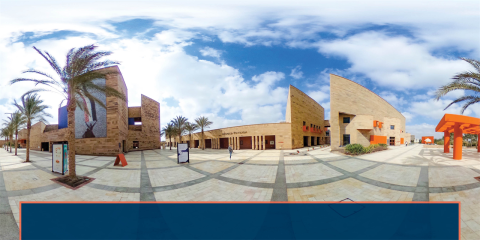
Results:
147 134
359 114
118 133
285 135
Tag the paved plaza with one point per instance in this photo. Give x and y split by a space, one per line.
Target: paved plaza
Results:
410 173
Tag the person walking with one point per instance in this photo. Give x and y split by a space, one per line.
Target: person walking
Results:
230 149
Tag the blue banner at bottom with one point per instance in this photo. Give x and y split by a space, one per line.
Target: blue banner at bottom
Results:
239 221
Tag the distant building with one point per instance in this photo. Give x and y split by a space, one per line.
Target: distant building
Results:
304 126
358 115
110 131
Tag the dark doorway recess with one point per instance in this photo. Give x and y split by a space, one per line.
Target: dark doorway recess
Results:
208 143
268 142
223 142
318 140
45 146
312 141
245 142
392 141
305 141
197 143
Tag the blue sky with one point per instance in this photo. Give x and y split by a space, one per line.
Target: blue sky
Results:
233 62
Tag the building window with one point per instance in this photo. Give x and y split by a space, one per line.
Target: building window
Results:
304 123
327 133
346 120
346 139
392 127
311 125
135 144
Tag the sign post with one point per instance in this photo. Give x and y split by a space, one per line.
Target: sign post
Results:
60 158
183 155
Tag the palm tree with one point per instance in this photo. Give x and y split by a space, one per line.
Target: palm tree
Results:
468 80
9 130
76 83
14 122
190 127
4 133
179 124
18 121
169 132
202 123
33 110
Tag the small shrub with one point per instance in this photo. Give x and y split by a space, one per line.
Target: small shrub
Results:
383 145
354 149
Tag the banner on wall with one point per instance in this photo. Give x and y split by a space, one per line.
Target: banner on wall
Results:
183 154
60 158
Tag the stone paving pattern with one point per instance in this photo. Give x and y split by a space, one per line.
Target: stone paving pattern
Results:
399 174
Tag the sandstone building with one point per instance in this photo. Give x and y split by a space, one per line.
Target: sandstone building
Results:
110 131
304 126
357 115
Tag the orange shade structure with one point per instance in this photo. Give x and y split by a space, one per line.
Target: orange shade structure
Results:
458 124
424 140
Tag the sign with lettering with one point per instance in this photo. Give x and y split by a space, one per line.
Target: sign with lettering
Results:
60 158
232 133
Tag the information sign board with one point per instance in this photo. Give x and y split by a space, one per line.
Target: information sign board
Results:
183 155
60 158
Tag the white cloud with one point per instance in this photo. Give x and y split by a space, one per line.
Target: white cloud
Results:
296 73
393 99
210 52
435 109
394 61
204 88
424 129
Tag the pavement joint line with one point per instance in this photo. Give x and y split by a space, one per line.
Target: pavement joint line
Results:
145 183
280 187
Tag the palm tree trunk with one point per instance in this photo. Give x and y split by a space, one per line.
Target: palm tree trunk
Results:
28 140
203 144
72 105
170 138
16 141
11 139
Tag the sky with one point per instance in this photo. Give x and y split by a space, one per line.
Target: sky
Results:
233 61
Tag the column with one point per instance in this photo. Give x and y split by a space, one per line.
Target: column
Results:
234 143
238 143
229 141
253 142
478 143
256 143
446 142
457 142
263 142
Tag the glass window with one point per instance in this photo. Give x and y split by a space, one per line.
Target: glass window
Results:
346 139
346 120
304 123
392 127
327 133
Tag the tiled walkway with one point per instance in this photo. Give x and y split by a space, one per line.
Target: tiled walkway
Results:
399 174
